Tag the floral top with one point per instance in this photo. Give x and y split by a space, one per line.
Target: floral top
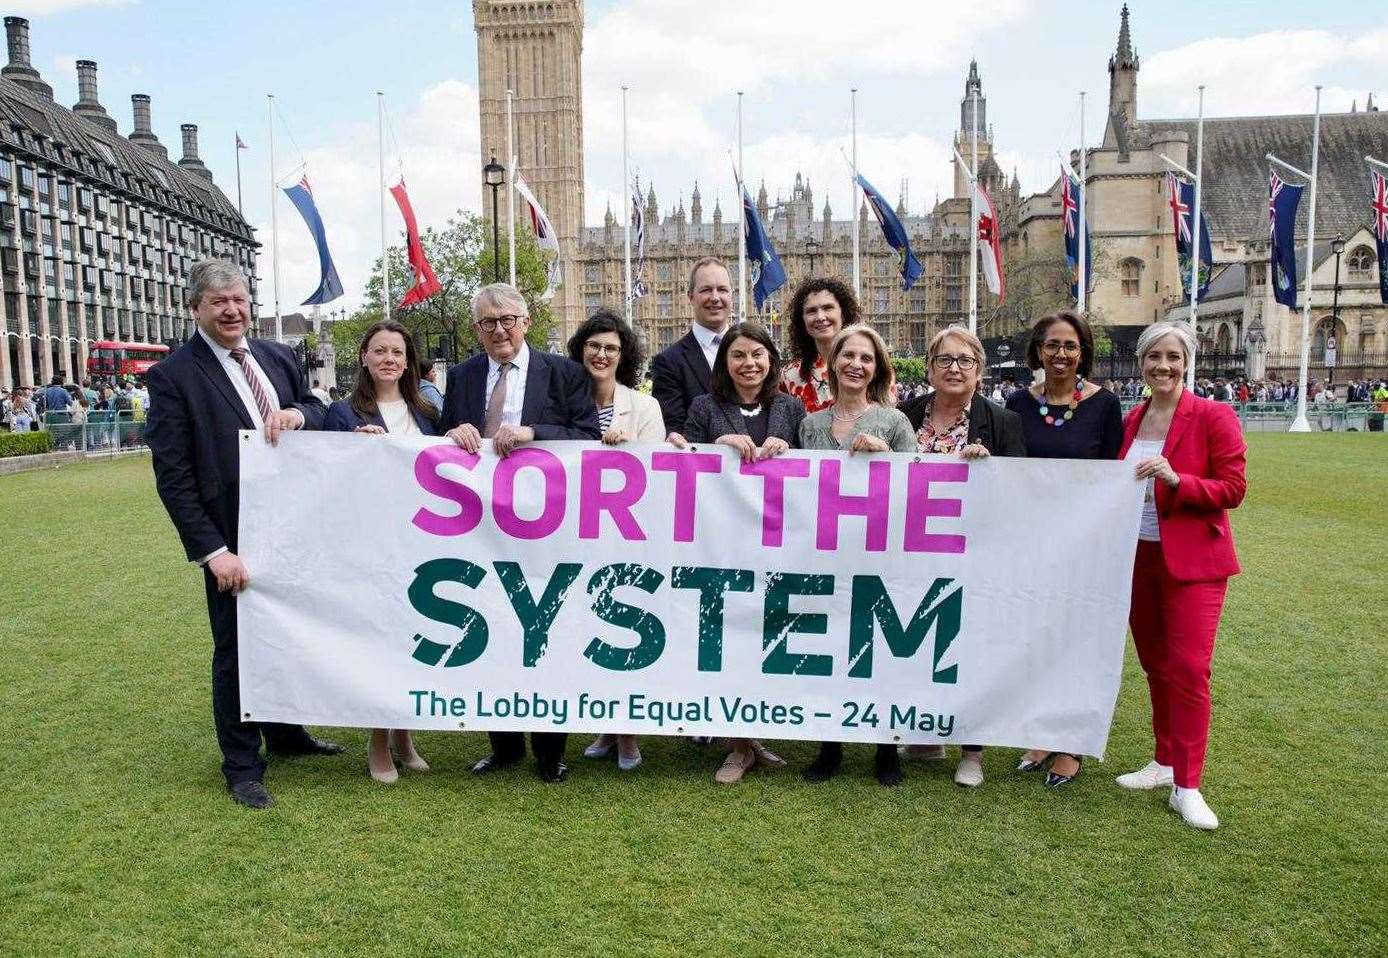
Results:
951 440
814 392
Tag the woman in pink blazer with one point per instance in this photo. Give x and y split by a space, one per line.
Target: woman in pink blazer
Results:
1190 452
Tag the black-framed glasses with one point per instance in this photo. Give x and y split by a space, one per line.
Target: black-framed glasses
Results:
602 349
505 322
1051 347
965 363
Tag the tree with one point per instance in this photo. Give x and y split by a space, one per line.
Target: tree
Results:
461 256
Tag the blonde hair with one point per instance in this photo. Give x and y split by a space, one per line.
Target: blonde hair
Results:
880 389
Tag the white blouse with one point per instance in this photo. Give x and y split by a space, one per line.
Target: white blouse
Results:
1142 449
397 417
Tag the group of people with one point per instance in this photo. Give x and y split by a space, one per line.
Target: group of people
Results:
25 410
728 383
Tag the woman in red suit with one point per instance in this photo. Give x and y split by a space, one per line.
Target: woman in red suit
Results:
1190 451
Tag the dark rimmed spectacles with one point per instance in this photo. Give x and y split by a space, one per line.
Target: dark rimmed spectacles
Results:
505 322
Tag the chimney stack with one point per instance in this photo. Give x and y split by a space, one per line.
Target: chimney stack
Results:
143 134
87 105
190 161
20 69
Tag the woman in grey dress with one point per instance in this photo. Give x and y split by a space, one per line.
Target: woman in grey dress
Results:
863 418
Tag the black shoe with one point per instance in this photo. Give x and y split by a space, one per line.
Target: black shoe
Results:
553 772
1054 780
1028 766
309 746
494 763
826 764
888 767
251 794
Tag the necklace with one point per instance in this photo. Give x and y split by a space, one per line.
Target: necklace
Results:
850 418
1059 420
751 412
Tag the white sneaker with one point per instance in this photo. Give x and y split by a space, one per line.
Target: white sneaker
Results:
1191 804
969 771
1150 776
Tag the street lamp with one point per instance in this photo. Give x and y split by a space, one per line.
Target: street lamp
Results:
1338 245
494 174
812 246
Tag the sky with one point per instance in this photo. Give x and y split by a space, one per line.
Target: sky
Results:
683 61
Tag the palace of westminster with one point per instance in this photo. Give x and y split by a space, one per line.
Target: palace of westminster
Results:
98 229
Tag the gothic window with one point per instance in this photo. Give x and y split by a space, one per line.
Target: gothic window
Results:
879 304
591 274
1327 329
662 272
1130 271
1360 260
666 305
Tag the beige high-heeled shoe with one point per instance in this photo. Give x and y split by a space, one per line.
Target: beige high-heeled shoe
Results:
410 759
385 775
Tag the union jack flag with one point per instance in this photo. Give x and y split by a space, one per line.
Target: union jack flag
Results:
1182 202
1070 214
1380 211
1180 210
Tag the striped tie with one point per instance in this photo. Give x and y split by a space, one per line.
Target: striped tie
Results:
262 401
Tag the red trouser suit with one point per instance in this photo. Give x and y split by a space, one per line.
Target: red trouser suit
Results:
1179 583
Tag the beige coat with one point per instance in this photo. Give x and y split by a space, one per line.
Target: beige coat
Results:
638 415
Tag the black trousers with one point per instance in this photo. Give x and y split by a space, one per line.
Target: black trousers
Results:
547 746
239 740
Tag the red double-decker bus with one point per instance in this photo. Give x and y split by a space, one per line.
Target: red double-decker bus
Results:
110 359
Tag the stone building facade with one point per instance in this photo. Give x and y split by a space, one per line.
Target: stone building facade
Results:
97 230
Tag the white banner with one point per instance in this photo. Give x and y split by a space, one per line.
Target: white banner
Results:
404 583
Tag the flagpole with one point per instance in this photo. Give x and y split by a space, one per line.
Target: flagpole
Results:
381 160
1300 423
857 197
510 191
1082 290
973 217
626 202
1195 236
238 176
274 224
741 222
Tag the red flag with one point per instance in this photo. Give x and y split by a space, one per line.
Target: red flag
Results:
426 284
989 241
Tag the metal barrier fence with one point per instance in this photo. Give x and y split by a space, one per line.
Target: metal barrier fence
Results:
102 431
1323 417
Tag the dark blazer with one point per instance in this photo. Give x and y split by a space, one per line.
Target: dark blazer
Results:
710 418
194 416
1206 448
342 417
679 375
558 401
998 429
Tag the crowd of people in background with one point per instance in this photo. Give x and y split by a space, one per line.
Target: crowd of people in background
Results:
61 403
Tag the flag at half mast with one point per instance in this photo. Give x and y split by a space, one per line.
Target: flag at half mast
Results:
329 286
1379 207
545 238
426 284
1070 210
894 232
1181 199
1283 199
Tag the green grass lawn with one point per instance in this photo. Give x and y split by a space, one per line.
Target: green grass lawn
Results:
119 838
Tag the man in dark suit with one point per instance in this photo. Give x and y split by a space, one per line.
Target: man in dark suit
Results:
215 384
680 374
512 395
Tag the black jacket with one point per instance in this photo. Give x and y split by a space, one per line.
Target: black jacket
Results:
998 429
709 418
195 414
342 417
679 375
558 401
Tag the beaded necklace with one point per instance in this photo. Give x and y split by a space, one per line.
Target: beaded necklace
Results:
1059 420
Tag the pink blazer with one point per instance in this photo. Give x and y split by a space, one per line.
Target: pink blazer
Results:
1206 448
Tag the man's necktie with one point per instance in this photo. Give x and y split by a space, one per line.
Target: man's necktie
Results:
262 401
492 422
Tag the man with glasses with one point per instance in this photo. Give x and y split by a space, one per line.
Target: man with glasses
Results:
513 395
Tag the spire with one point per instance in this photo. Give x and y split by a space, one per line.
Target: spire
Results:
696 205
1125 55
609 220
972 82
973 97
828 213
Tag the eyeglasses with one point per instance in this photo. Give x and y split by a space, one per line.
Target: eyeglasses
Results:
965 363
602 349
505 322
1050 347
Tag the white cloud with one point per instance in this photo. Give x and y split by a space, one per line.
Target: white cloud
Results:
439 138
1267 73
43 8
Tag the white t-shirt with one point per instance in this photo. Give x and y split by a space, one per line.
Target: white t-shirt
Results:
396 415
1142 449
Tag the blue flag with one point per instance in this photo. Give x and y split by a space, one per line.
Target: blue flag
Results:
1283 199
1070 206
894 232
1182 203
329 286
771 275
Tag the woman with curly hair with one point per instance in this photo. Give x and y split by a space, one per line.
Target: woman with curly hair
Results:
819 309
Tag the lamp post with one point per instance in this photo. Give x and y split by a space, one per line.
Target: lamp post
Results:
494 174
1338 245
812 246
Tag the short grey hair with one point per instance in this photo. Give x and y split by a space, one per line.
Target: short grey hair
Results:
1158 330
209 274
499 296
